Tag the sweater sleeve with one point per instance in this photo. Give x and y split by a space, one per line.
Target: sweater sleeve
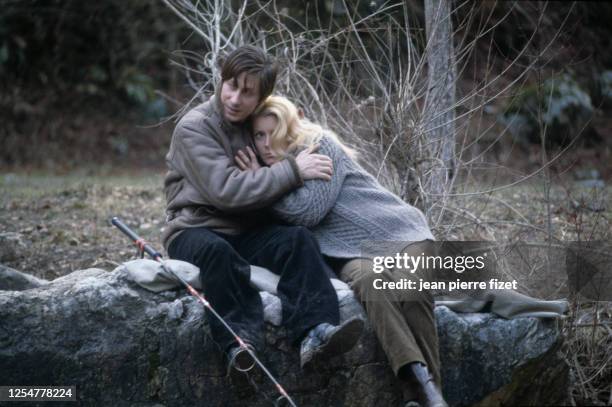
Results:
308 205
208 168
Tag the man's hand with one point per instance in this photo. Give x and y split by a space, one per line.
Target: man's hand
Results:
247 162
314 166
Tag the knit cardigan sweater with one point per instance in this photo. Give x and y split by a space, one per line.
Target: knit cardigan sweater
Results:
350 209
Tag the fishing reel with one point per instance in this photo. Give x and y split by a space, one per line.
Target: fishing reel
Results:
241 359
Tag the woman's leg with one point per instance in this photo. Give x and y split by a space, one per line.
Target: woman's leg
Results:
404 319
404 324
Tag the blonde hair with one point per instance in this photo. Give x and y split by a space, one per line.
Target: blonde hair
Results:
291 130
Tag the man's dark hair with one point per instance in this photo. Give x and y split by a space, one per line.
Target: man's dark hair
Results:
253 61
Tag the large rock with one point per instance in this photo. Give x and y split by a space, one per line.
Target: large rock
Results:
511 362
121 345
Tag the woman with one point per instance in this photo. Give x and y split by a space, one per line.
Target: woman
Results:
344 212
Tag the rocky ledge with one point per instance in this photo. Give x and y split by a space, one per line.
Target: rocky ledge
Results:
122 345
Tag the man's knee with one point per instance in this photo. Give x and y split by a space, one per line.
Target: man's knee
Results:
297 238
200 247
298 233
210 250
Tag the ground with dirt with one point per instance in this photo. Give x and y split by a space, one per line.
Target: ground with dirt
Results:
62 222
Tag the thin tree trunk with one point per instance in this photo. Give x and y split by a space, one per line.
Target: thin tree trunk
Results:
439 114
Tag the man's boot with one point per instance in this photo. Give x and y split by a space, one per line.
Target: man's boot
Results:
326 341
429 394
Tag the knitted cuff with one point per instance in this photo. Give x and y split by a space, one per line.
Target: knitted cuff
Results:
295 168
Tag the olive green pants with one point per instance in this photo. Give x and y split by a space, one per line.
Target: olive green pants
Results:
403 320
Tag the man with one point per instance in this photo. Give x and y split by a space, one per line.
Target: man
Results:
214 222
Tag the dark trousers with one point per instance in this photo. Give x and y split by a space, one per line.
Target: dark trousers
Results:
305 291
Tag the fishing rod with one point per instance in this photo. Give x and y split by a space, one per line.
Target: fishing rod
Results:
144 247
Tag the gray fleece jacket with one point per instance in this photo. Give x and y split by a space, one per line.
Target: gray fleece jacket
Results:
203 185
351 208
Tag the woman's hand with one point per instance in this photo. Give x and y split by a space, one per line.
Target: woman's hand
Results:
247 162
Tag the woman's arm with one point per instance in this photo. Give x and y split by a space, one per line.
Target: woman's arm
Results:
308 205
